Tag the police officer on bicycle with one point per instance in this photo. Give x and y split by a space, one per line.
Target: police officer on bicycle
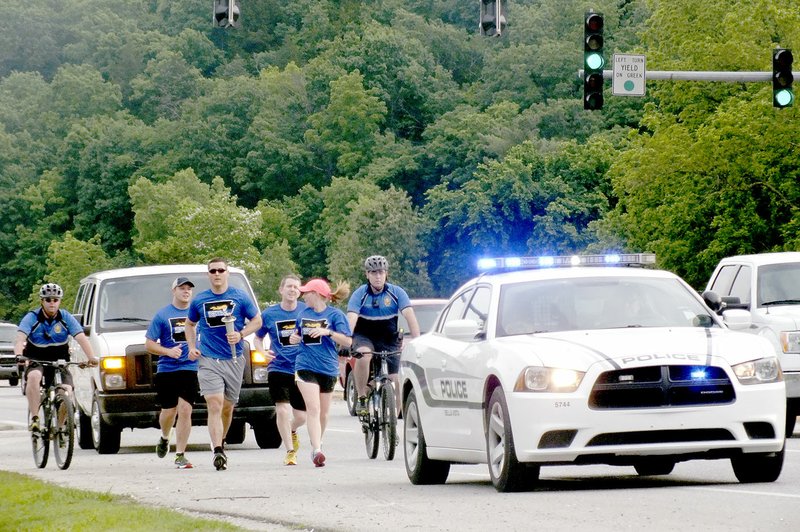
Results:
43 334
372 313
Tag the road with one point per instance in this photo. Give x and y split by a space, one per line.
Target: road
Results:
353 493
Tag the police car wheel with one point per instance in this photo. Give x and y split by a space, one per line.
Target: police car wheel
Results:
654 466
506 472
420 468
760 467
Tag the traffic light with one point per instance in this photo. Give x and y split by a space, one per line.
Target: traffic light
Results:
493 17
782 94
593 61
226 13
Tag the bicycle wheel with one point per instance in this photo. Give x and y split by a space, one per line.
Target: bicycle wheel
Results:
372 425
40 441
388 420
63 429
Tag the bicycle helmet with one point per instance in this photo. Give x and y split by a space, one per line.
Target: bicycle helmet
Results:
50 290
376 263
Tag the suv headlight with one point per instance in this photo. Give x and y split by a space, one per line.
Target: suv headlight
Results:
790 341
540 379
759 371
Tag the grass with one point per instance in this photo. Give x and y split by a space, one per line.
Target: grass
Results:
28 504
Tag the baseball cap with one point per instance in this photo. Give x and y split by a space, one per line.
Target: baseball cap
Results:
319 286
180 281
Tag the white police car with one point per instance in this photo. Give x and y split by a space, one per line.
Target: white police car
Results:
587 364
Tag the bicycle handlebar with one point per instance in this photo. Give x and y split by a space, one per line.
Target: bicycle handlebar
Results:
380 354
60 363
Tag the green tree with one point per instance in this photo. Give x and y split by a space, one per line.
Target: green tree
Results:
345 132
384 224
68 261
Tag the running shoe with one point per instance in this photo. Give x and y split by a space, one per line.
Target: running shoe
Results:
220 461
181 462
162 447
295 442
34 426
318 458
291 458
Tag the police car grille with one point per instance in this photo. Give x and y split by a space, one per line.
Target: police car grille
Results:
662 386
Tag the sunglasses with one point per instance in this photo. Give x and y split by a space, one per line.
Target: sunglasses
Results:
217 270
50 299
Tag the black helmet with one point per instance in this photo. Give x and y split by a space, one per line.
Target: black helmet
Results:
376 263
50 290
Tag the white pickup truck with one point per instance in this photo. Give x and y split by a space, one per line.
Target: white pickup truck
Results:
115 307
767 285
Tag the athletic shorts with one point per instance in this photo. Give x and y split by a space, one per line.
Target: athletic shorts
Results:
393 363
221 375
170 385
283 389
326 382
49 372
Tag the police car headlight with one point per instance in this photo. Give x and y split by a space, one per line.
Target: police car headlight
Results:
539 379
759 371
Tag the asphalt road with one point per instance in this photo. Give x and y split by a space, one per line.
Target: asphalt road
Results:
353 493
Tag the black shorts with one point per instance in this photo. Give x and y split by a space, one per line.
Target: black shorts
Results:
393 363
326 382
49 373
171 385
283 389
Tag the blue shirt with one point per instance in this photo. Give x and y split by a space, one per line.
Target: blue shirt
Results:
320 355
377 312
168 329
279 324
49 332
207 310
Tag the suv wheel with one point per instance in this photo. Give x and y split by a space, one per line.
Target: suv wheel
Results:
266 432
104 436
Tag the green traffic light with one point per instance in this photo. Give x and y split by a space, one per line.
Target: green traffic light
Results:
594 61
783 98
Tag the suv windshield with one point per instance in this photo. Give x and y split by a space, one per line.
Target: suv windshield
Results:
598 303
129 303
779 284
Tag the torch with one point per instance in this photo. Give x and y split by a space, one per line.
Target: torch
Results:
229 320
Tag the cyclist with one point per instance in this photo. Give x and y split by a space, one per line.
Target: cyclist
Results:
279 322
372 313
43 334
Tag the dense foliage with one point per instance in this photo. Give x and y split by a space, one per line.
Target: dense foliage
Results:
322 131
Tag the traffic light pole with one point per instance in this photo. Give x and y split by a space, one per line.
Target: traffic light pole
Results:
688 75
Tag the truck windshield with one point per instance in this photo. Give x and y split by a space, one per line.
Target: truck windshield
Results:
129 303
779 284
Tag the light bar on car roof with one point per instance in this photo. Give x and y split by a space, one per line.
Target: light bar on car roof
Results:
612 259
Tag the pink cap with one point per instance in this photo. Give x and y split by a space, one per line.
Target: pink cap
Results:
319 286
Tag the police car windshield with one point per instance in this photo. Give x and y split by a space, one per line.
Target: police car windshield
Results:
130 303
597 303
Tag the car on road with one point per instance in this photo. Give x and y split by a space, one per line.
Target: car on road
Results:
767 286
425 309
9 369
553 360
115 308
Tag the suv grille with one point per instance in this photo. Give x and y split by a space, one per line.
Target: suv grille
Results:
662 386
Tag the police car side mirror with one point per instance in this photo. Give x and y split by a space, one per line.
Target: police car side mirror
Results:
464 330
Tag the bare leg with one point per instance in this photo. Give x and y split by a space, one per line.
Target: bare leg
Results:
184 426
215 425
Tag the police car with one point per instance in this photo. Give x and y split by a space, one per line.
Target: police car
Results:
587 360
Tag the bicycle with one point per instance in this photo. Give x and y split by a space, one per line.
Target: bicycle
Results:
56 418
381 419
